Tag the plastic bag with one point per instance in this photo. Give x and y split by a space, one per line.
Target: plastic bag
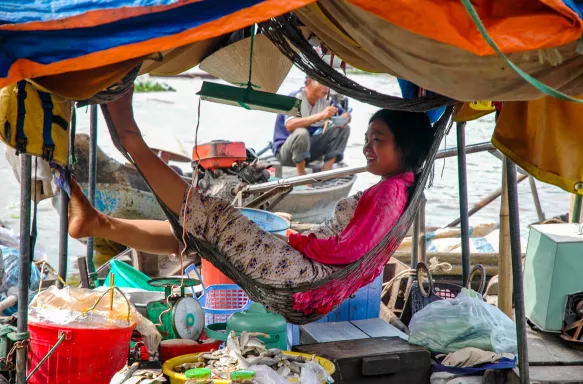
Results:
314 373
466 321
11 267
69 306
266 375
8 238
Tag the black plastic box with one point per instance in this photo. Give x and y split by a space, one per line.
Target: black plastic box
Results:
387 360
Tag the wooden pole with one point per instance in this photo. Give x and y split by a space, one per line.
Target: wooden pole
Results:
504 260
537 204
576 213
483 203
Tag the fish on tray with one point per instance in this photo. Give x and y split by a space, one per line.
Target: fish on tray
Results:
131 375
243 352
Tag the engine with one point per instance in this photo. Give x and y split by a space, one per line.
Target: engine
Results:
225 167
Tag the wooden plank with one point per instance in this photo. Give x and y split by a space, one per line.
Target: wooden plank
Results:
83 272
546 349
326 332
570 374
172 268
378 328
147 263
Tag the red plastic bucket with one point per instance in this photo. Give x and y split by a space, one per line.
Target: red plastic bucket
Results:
86 355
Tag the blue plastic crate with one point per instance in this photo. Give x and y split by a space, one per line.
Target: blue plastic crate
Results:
219 301
365 304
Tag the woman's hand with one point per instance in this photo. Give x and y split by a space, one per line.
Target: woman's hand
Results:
122 114
281 237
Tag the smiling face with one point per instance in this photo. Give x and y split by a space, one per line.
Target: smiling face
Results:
383 157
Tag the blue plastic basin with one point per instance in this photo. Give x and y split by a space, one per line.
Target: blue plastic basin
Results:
267 221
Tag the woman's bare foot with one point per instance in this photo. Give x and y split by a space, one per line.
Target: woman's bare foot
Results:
83 218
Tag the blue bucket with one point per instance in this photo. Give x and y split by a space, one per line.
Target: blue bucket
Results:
267 221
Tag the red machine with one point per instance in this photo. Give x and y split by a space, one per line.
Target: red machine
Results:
219 154
224 165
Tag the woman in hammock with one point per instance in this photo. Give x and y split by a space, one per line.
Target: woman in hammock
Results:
396 144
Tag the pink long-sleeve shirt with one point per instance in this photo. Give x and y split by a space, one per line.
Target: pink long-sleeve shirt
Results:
376 213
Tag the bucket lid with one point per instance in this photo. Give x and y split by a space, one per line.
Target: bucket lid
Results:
198 373
257 319
243 374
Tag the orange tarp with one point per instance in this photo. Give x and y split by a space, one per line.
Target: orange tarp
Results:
515 25
545 138
369 42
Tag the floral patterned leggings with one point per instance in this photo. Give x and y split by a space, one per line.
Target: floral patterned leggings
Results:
257 253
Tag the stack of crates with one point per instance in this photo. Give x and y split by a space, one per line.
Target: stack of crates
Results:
364 304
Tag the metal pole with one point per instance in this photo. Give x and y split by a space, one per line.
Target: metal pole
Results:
341 172
537 205
484 202
63 235
472 148
520 317
64 207
463 199
24 267
415 245
423 240
92 178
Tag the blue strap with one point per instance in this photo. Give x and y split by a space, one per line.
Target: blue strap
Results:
531 80
21 140
48 144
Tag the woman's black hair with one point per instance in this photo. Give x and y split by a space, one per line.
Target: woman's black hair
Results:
413 135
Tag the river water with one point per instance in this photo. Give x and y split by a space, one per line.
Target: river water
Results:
175 114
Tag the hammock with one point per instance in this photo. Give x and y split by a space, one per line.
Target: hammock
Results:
285 29
343 282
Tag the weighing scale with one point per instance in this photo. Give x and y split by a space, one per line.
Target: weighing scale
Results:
182 316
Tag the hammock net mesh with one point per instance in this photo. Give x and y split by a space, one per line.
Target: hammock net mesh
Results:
342 283
284 32
346 280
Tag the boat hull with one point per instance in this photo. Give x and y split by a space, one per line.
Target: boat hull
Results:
121 201
315 205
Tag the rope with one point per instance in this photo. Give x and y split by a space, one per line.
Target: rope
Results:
434 266
44 264
284 30
113 92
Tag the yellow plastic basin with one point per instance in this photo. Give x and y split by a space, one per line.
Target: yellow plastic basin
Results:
180 378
